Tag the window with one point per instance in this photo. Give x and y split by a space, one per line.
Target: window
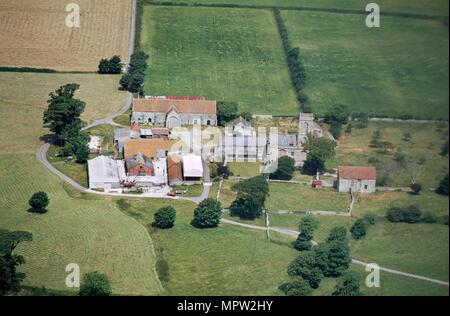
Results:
365 187
150 120
208 122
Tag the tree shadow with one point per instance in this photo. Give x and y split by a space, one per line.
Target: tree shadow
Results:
37 211
8 237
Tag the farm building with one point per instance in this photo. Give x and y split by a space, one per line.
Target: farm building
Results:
192 168
174 112
174 170
139 165
103 173
152 148
306 126
288 146
357 179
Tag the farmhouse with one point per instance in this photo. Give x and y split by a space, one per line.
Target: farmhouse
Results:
174 112
357 179
288 145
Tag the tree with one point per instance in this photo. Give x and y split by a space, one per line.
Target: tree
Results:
285 169
338 113
410 214
333 258
337 234
165 217
348 285
223 171
336 129
359 229
312 165
207 214
296 288
133 80
305 266
63 112
95 284
251 197
39 201
110 66
416 187
443 186
307 227
226 111
10 279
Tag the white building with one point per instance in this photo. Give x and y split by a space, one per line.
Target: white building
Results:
192 168
103 173
357 179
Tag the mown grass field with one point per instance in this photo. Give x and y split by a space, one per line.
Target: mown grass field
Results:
424 162
222 54
244 169
398 69
433 7
34 33
89 231
298 197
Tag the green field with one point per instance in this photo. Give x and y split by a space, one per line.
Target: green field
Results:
222 54
398 69
424 163
89 231
433 7
244 169
298 197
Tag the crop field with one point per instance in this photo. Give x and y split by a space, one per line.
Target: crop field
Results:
419 144
222 54
398 69
91 232
25 95
431 7
34 33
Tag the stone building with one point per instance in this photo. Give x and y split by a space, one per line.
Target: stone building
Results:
357 179
174 112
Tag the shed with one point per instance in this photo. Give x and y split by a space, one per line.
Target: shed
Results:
103 173
192 168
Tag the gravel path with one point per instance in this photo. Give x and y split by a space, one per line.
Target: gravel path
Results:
294 234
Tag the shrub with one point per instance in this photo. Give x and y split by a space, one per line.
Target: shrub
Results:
359 229
297 288
411 214
95 284
429 217
337 234
39 201
443 186
110 66
165 217
416 187
336 129
370 219
207 214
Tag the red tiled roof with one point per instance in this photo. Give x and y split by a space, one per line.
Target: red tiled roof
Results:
357 173
160 131
174 168
181 106
180 97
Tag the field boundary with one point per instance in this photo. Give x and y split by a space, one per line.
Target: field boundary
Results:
441 18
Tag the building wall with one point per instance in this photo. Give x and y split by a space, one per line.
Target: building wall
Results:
104 185
135 171
159 118
361 186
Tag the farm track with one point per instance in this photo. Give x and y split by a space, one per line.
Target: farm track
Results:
294 234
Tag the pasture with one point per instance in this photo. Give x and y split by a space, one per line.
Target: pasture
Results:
396 70
89 231
222 54
418 144
34 34
433 7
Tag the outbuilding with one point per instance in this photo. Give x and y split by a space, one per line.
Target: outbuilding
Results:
103 173
357 179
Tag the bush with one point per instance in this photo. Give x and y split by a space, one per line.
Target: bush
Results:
110 66
416 187
429 217
207 214
95 284
359 229
165 217
370 219
336 129
443 186
226 111
348 285
411 214
39 201
297 288
338 113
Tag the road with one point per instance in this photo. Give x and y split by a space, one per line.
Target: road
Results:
294 234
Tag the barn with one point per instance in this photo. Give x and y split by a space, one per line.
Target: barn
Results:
357 179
